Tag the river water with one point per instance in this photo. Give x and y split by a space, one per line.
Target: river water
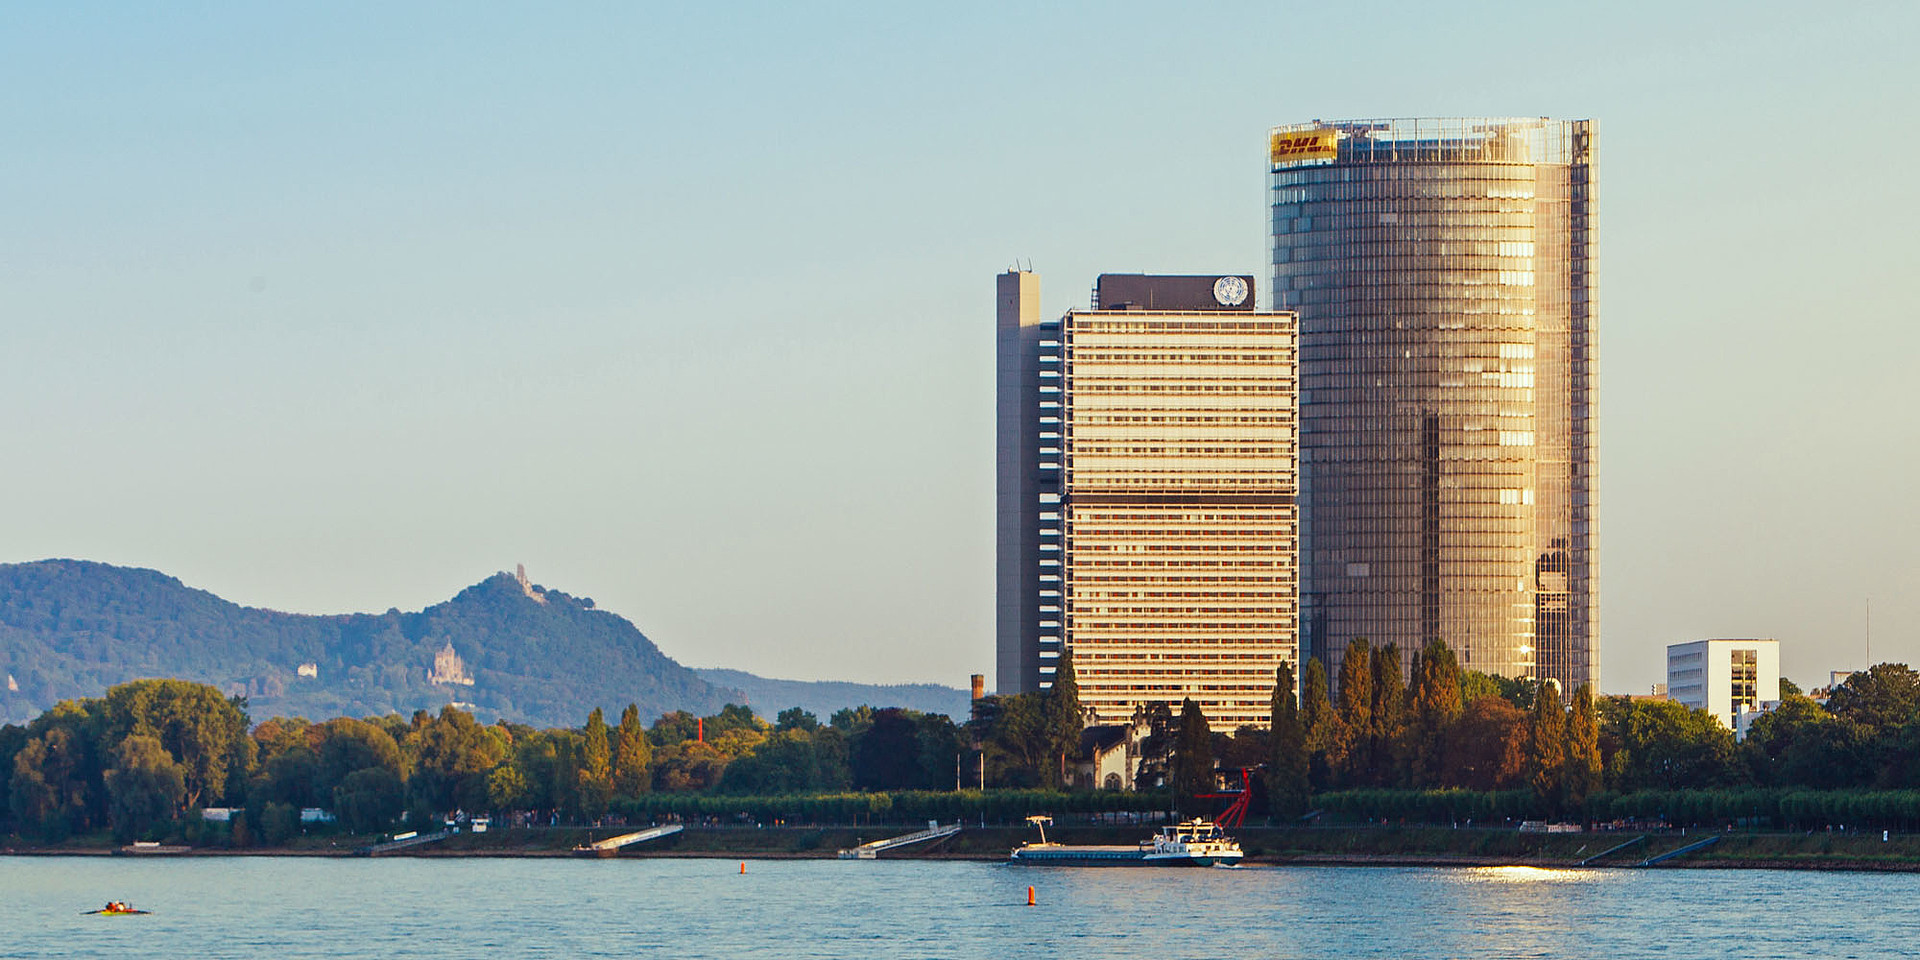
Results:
463 908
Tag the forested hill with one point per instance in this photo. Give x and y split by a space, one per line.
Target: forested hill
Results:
822 697
72 628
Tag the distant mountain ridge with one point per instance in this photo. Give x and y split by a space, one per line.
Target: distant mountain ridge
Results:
822 697
502 647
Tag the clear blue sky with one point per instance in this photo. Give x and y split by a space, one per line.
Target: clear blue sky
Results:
330 307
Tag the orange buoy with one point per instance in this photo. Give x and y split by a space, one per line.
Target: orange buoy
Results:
1030 900
743 868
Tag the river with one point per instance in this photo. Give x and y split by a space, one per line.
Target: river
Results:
214 907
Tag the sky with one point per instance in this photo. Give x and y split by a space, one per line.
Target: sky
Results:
331 307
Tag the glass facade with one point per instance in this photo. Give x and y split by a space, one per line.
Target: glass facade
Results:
1442 273
1744 669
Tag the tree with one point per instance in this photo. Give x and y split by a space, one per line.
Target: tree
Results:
50 790
1389 714
368 799
596 767
508 788
1546 745
687 766
278 823
887 755
632 756
12 739
1064 719
852 721
1435 704
673 727
453 756
941 746
1801 745
1486 745
734 718
1287 784
786 762
1663 745
204 730
347 746
288 777
1882 697
1246 748
144 786
1356 710
1193 760
1580 776
1156 748
537 758
1321 725
796 718
1013 734
1475 685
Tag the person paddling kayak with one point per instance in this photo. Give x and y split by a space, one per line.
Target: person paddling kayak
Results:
117 907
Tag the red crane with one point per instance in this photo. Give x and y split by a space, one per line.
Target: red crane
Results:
1236 812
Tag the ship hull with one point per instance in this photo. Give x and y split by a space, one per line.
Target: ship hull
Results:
1065 856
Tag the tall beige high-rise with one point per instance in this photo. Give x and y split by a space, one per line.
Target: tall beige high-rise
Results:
1147 516
1443 272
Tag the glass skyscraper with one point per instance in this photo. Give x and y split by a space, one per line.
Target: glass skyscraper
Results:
1442 271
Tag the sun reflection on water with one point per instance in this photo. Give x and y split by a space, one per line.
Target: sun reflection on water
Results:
1518 874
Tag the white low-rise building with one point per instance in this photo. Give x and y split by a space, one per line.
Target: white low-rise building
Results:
1727 678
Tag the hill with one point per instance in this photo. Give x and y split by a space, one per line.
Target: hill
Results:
502 648
821 698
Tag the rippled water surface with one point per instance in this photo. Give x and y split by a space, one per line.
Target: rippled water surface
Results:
294 907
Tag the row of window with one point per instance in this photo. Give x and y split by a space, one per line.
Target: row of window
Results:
1212 327
1389 222
1250 354
1359 172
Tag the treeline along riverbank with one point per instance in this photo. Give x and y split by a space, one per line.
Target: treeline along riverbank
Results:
147 760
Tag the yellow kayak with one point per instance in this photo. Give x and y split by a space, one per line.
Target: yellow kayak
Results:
115 910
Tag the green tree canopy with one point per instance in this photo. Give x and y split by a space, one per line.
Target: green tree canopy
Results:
453 756
1881 697
1546 745
1193 760
52 789
632 756
1356 712
1661 744
1389 716
203 730
145 786
1322 725
368 799
1064 719
348 745
1287 763
1013 731
1435 703
1580 774
595 772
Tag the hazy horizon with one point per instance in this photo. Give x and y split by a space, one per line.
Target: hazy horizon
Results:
337 308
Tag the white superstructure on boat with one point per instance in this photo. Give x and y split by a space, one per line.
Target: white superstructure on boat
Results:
1193 842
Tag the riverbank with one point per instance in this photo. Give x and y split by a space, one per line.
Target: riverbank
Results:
1317 846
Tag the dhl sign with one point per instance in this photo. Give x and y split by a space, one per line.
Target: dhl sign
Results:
1318 144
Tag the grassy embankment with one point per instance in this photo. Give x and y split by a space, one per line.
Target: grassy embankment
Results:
1354 845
